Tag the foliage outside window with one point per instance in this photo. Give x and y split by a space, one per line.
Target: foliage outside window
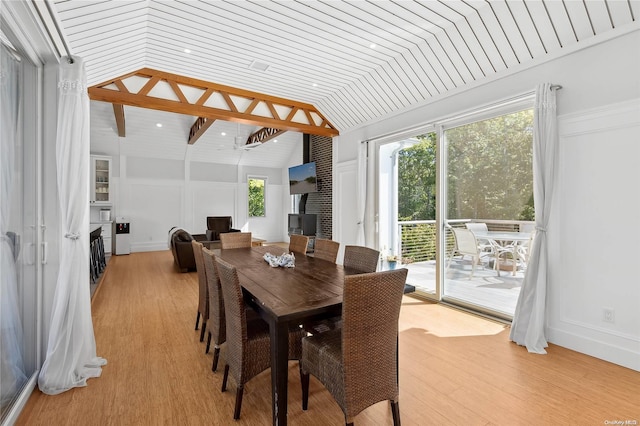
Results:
417 180
257 197
490 176
490 172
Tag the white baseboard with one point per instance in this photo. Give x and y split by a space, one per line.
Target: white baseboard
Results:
595 348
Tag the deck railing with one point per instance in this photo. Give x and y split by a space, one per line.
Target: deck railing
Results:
418 237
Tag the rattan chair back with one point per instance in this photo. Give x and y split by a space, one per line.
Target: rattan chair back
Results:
203 292
326 249
216 323
233 240
360 258
298 243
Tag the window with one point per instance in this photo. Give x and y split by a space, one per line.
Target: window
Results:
257 188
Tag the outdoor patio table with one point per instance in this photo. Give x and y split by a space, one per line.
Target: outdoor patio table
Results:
506 239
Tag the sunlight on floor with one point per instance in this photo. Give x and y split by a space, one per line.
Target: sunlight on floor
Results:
444 321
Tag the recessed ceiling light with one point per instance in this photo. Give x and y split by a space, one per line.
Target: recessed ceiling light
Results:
315 84
187 50
275 141
372 45
158 124
223 134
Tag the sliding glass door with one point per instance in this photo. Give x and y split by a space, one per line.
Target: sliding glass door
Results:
489 210
456 208
407 209
19 271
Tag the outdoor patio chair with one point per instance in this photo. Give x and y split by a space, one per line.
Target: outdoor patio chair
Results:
479 228
467 245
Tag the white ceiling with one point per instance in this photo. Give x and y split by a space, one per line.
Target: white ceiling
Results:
320 52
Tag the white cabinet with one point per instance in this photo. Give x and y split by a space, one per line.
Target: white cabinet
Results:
107 237
101 189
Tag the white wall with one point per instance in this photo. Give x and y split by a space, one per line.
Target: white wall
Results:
155 195
593 244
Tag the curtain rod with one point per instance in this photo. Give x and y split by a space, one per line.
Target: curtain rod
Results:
435 122
55 22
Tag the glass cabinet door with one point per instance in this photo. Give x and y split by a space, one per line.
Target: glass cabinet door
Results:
101 180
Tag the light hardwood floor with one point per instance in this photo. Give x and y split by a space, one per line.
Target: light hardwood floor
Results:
455 368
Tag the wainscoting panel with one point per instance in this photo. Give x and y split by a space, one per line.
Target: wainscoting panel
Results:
152 209
594 243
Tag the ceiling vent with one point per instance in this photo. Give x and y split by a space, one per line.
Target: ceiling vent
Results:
259 66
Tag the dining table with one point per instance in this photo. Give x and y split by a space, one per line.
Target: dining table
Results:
286 297
508 241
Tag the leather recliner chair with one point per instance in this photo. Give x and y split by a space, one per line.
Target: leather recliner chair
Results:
217 225
183 250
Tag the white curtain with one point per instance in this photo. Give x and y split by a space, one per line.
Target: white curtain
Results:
527 328
362 190
12 373
71 352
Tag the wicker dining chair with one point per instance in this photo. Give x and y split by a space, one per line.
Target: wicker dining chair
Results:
360 369
326 249
362 259
217 324
248 342
298 243
235 240
203 291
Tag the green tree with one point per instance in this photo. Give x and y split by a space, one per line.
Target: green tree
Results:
490 172
256 197
417 180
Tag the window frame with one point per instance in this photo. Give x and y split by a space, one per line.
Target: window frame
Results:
264 195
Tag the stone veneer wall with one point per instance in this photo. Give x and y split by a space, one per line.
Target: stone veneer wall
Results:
320 203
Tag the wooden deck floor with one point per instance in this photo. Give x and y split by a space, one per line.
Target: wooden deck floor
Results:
455 368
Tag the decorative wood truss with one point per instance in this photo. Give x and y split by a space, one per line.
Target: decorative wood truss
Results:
149 88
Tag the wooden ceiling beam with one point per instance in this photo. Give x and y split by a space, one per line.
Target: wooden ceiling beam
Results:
118 111
198 128
263 135
260 110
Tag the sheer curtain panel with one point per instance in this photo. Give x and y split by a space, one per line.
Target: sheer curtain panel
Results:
527 328
71 351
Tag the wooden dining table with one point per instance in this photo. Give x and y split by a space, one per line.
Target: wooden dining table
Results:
286 297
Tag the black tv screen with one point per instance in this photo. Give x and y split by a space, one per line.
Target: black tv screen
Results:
302 178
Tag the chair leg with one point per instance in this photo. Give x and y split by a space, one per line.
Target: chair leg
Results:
236 412
395 413
216 355
204 327
304 380
224 378
206 351
197 320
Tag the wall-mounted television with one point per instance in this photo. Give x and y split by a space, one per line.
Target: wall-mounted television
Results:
303 179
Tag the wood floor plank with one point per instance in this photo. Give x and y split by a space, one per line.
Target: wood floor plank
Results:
455 368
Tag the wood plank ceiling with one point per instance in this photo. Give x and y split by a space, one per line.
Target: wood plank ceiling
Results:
355 61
